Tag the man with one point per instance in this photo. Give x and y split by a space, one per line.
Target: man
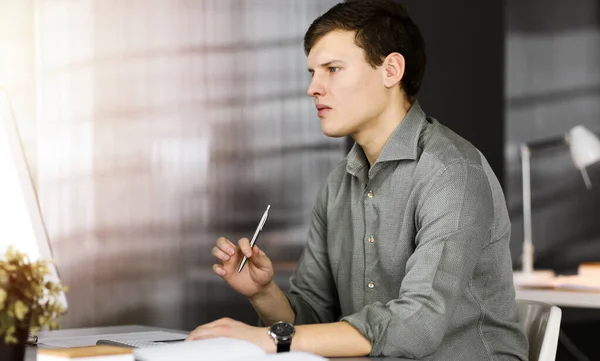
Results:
407 252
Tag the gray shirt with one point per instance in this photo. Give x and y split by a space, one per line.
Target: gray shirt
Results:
414 251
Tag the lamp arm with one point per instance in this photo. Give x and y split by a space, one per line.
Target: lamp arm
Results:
527 256
586 178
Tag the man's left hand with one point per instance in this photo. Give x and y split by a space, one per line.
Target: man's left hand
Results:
226 327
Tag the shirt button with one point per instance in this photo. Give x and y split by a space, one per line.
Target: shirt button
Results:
372 239
371 285
370 194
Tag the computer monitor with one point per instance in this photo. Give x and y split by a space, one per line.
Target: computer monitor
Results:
21 222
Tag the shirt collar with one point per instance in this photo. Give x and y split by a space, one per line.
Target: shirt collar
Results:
402 144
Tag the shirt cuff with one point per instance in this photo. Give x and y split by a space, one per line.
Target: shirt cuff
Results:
365 327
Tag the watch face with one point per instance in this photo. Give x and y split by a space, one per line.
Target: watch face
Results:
283 329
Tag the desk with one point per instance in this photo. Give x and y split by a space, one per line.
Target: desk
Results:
30 354
578 299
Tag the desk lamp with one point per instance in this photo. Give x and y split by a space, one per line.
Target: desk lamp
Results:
585 150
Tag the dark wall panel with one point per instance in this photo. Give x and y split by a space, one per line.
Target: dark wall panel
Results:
463 85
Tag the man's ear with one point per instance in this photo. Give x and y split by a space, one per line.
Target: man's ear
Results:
393 69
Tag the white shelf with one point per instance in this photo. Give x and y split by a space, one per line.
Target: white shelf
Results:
579 299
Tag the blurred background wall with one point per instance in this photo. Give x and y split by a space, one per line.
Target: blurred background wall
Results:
464 80
160 126
553 84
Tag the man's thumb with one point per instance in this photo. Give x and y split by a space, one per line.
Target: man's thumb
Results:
259 257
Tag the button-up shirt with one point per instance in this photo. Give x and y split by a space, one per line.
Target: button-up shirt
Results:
414 250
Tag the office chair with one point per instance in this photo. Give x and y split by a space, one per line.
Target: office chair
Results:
541 322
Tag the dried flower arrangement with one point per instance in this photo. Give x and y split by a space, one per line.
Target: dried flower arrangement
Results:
28 299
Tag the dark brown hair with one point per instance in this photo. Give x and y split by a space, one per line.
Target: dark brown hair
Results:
382 27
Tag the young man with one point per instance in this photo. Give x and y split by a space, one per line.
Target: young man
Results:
408 250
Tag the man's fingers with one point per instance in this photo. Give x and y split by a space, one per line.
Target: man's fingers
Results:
219 270
244 245
226 246
260 251
208 331
259 258
201 333
217 328
217 252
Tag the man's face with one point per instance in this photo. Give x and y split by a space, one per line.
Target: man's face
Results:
349 93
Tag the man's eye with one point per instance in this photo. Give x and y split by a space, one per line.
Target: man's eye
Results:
333 69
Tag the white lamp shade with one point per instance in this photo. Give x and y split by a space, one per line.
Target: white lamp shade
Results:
584 146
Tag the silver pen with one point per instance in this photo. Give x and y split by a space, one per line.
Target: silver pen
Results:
255 237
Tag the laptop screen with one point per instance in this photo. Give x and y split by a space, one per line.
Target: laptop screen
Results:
21 223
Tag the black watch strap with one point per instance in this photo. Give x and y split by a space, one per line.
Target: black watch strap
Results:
284 346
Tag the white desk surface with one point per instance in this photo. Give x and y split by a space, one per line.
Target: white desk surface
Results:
579 299
31 351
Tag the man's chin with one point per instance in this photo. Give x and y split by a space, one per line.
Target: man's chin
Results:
334 133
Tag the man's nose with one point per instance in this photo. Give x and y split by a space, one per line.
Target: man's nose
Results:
315 88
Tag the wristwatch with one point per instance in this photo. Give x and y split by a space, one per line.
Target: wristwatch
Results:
282 333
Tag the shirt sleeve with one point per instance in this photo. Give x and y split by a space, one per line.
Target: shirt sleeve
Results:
454 221
312 293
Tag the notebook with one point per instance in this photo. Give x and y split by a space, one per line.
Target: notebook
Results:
218 349
90 353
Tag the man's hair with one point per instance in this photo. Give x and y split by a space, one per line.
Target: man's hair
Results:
382 27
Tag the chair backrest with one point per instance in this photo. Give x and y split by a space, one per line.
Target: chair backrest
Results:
541 322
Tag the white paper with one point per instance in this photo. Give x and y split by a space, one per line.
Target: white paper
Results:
217 349
289 356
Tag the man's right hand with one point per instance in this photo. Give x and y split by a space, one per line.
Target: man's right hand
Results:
256 274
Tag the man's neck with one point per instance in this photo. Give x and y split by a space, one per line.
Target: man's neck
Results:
373 137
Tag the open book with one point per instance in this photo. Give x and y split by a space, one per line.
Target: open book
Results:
217 349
